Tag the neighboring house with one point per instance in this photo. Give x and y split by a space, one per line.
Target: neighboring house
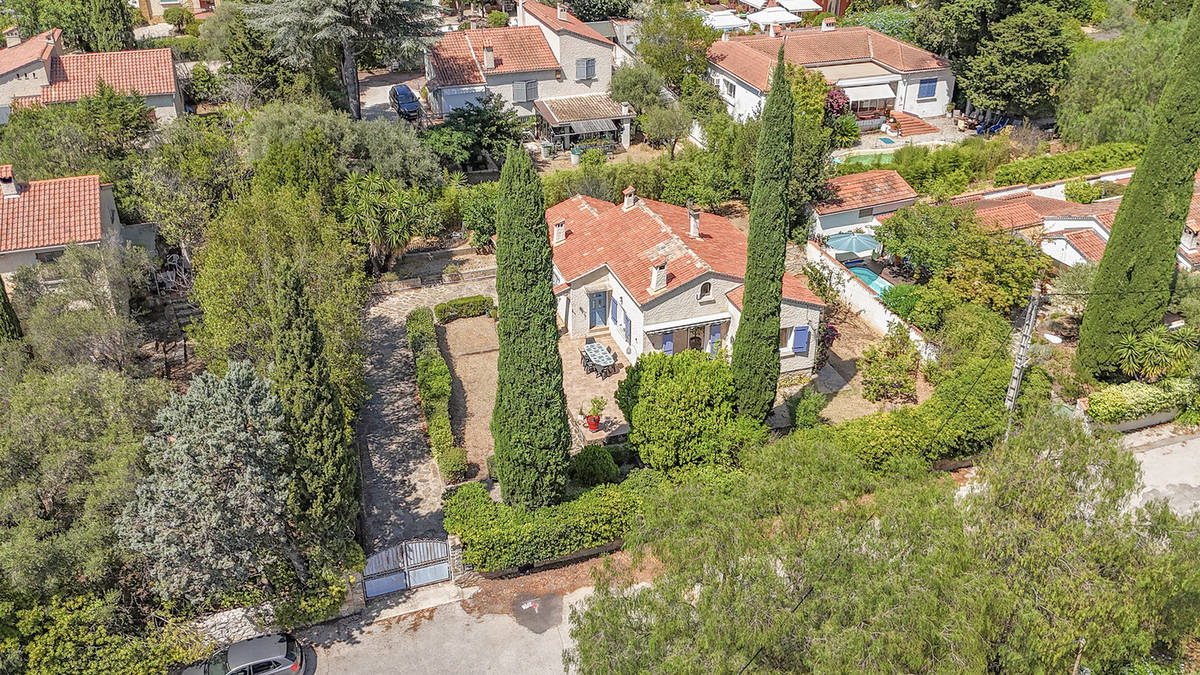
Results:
37 72
859 199
662 278
550 55
153 10
623 33
878 73
39 218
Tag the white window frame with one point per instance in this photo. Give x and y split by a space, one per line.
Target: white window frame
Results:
701 295
588 68
921 83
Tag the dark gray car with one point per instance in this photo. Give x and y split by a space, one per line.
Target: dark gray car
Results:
264 655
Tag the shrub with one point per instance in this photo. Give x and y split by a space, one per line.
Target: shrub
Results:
441 438
593 157
845 131
178 17
184 47
889 368
592 466
496 536
805 408
421 333
462 308
968 331
453 464
1095 159
936 298
1083 192
204 86
901 299
1130 401
433 382
497 19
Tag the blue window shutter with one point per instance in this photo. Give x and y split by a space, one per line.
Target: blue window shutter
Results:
613 304
927 88
668 343
580 69
800 340
714 337
628 330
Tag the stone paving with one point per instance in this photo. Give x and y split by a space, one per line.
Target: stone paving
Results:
402 489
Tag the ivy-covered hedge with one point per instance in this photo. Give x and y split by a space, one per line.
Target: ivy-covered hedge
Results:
433 386
497 537
184 47
462 308
1132 400
1098 158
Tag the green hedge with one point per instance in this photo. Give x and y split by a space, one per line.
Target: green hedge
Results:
462 308
1132 400
184 47
1095 159
497 537
433 386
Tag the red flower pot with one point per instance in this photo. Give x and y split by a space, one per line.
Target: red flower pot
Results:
593 422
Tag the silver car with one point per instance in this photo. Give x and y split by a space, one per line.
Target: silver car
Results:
263 655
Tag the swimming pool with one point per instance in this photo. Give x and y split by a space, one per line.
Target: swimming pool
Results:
870 278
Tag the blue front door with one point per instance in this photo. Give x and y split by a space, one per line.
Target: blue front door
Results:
596 306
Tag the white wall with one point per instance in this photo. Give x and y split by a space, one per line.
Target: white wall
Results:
26 81
860 298
166 107
745 102
909 85
451 98
1062 251
850 221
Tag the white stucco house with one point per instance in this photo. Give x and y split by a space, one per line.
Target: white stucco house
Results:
879 73
39 218
551 66
36 71
663 278
859 200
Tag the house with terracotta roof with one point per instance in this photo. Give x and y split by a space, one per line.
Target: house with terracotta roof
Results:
153 10
878 72
859 199
663 278
550 65
39 218
37 72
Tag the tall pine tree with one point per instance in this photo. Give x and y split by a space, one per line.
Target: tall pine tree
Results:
323 497
529 422
112 27
10 327
756 346
1134 279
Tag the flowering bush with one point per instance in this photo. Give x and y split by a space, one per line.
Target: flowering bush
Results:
837 103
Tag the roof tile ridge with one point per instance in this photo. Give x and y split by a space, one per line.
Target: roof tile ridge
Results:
697 259
471 49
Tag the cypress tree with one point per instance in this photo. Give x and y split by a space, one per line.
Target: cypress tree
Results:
322 498
112 27
756 346
10 327
529 422
1134 279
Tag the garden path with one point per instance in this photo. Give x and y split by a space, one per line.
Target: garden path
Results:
402 489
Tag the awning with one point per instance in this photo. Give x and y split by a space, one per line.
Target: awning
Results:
757 4
773 16
725 20
870 92
654 328
592 126
800 6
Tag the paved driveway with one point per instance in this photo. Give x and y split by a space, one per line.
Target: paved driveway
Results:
1170 466
374 87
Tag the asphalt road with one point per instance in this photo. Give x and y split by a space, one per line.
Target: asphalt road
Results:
450 639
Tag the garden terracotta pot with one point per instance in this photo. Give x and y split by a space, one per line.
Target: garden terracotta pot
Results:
593 422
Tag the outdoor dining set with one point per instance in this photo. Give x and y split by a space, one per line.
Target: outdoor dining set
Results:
596 358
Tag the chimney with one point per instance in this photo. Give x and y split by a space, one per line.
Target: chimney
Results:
693 220
771 30
828 23
630 198
624 107
562 11
489 56
520 12
8 184
725 36
658 275
560 231
12 37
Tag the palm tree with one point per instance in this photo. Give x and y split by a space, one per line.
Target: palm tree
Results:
303 29
1156 353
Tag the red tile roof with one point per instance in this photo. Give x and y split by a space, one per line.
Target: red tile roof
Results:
36 48
813 47
1011 214
1087 242
145 72
51 213
549 17
458 58
869 188
602 234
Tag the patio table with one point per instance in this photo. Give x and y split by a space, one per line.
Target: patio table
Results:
599 356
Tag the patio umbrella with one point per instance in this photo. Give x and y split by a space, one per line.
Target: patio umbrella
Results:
853 242
773 16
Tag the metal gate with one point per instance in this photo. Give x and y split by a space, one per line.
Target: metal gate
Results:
413 564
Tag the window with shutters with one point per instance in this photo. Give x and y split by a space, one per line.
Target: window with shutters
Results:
525 92
585 69
730 87
927 88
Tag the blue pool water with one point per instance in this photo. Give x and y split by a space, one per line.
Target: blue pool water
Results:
876 282
887 141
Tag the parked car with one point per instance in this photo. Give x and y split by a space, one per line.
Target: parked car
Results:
263 655
405 102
